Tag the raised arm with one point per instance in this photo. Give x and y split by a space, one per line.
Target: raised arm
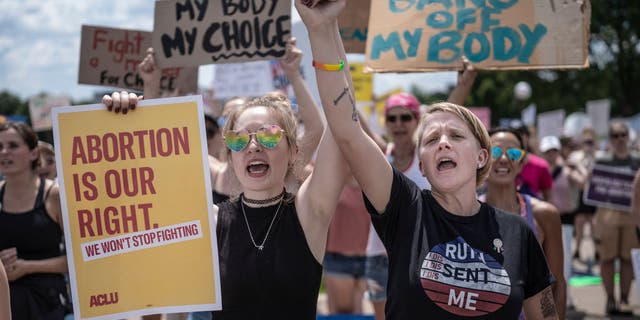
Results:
307 108
380 142
466 78
367 162
318 196
150 74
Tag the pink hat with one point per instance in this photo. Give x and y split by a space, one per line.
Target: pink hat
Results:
405 100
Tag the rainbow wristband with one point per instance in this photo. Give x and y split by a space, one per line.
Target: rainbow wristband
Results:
328 67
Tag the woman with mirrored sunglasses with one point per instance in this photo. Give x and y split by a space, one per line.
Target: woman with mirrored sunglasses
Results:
450 256
271 243
507 157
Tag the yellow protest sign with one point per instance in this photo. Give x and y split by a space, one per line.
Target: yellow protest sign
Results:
362 82
137 212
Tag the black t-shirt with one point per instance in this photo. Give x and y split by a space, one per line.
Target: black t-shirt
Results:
449 267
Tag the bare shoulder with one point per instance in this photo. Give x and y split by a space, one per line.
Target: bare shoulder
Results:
544 212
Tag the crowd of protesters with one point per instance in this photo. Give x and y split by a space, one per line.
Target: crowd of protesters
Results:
376 214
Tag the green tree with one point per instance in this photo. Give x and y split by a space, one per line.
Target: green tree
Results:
11 104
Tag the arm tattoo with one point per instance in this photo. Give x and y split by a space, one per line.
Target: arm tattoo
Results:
354 112
547 305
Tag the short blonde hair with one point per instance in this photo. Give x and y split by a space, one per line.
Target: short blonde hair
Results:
473 123
280 107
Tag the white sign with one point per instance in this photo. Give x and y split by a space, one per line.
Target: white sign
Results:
598 111
550 123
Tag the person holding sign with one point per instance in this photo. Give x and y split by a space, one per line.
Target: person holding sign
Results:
507 159
30 229
614 230
271 243
449 255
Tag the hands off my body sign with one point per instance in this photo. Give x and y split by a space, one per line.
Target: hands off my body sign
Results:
418 35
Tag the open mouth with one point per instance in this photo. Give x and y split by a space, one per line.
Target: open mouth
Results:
446 164
257 167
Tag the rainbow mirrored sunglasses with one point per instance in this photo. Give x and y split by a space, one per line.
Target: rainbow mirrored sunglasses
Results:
514 154
267 136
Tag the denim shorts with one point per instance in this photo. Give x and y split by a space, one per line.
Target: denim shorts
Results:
376 271
339 265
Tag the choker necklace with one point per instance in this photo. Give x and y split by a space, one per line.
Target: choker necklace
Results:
261 246
264 201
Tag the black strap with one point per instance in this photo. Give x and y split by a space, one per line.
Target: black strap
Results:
556 172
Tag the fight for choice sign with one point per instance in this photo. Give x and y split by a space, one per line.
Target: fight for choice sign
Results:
419 35
110 57
197 32
138 220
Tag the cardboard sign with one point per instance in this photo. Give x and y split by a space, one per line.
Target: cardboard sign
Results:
353 23
362 82
192 33
110 57
610 187
132 225
517 34
40 110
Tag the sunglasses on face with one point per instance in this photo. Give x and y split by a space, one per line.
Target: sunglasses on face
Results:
588 142
267 136
514 154
403 118
617 135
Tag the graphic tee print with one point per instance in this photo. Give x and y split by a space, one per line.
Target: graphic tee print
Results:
464 281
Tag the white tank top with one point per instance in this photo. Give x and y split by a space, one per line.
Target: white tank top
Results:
374 244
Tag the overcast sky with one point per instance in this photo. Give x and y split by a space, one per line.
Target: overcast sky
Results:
40 45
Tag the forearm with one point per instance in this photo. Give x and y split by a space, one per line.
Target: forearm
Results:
151 89
310 115
334 87
376 138
50 265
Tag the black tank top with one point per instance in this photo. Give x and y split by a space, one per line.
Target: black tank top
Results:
279 282
219 197
35 236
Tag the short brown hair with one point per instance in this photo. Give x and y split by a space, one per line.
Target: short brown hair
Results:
473 123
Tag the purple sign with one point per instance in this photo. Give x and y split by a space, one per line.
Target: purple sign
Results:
610 187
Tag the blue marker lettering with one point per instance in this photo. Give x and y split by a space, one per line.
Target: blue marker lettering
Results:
449 43
446 3
395 9
501 5
487 22
444 21
464 17
531 40
413 40
483 43
500 35
381 45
